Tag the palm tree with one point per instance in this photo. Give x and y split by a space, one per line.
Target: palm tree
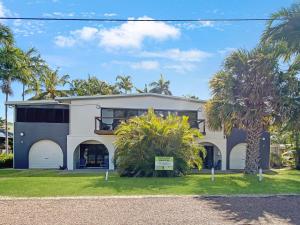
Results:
11 68
6 36
283 33
161 86
35 66
124 83
51 81
145 90
244 96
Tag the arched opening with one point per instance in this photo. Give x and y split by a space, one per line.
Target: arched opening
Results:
213 157
91 154
238 156
45 154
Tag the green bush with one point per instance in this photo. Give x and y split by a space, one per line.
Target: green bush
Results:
142 138
6 160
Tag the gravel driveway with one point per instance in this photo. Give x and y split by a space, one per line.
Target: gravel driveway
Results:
152 210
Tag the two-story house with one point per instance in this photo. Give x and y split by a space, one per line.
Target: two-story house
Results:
78 132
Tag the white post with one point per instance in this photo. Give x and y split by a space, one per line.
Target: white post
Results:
260 176
213 174
106 175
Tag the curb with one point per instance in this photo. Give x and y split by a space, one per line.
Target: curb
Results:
8 198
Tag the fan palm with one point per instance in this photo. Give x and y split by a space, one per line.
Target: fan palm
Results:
124 83
161 86
244 96
6 36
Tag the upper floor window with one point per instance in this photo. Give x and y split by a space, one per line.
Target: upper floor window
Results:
42 115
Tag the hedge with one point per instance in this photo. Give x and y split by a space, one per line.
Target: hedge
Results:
6 160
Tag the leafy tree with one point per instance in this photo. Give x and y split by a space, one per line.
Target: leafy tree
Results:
124 83
244 95
51 80
142 138
92 86
161 86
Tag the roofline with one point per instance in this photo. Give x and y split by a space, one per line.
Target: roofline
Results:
33 102
62 99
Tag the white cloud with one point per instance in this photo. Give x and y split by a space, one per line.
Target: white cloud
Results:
86 33
2 10
176 54
226 51
110 14
128 35
206 23
132 33
182 67
145 65
62 41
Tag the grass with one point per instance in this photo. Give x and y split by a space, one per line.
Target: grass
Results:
30 183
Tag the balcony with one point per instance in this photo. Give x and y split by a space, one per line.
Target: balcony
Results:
107 125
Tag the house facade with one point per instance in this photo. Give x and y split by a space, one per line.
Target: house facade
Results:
78 132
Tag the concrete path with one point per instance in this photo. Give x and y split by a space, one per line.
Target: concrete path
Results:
151 210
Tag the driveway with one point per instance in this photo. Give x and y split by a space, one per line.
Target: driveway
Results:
152 210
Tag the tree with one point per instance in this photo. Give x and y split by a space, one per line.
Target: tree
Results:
50 82
11 69
244 95
161 86
92 86
124 83
142 138
6 36
145 90
282 33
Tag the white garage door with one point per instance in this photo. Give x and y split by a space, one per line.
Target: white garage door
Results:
238 156
45 154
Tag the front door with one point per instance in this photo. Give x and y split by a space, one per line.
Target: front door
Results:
94 155
209 159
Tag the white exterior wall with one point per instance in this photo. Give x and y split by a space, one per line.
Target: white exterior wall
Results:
84 111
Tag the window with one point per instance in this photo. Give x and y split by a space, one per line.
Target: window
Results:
42 115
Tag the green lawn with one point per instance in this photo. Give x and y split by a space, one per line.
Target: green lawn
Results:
58 183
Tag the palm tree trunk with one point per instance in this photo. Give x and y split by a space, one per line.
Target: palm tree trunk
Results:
297 147
23 92
6 128
252 152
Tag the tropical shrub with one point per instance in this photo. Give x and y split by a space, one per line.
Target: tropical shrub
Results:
142 138
6 160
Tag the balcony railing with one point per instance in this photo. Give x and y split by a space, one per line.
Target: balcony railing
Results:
104 127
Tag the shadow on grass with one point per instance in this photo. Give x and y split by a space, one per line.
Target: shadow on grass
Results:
247 210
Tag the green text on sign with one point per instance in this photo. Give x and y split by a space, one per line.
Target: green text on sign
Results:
164 163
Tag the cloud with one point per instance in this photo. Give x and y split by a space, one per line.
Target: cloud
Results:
182 67
2 10
110 14
176 54
128 35
226 51
145 65
207 23
132 33
59 14
86 33
62 41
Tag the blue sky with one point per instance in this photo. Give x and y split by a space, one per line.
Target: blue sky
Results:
188 54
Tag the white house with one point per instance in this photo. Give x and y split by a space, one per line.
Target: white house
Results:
78 132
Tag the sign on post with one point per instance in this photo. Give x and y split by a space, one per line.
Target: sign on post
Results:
164 163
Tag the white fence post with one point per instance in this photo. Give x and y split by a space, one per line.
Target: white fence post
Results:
106 175
260 174
212 174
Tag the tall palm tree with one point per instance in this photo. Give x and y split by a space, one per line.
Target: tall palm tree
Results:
283 33
11 68
6 36
51 81
124 83
161 86
244 95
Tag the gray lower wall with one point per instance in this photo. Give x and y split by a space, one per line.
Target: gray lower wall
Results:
239 136
34 132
